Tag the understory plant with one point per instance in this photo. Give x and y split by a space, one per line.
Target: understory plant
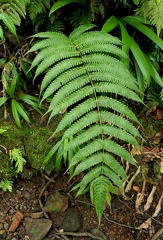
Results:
85 75
17 161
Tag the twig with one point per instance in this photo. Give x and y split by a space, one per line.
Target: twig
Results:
128 187
41 193
120 224
150 199
80 234
140 197
157 234
4 148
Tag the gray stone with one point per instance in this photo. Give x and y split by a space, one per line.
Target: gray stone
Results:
56 203
37 229
72 221
37 215
96 232
26 194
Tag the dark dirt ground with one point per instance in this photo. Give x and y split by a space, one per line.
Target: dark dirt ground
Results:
120 221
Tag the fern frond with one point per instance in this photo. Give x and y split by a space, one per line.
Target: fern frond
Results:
89 79
153 11
16 9
36 7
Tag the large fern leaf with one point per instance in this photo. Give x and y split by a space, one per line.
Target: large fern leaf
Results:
85 75
16 9
153 11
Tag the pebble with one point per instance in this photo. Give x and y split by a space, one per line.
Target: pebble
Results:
19 193
6 226
1 226
14 238
26 194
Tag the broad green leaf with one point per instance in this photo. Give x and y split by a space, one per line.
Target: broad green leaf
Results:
110 24
8 22
60 4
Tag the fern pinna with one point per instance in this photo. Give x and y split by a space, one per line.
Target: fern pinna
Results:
84 74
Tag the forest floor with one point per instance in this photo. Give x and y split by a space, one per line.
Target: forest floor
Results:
134 215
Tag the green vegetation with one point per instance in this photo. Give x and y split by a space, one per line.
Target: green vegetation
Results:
91 60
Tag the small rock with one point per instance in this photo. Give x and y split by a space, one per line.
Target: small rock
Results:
6 226
37 215
37 229
98 233
19 193
72 221
14 238
56 203
26 194
1 226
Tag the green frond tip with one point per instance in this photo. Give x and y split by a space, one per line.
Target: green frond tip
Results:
98 193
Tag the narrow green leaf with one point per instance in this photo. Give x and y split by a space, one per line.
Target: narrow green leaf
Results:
154 73
137 53
59 157
21 111
1 34
15 112
2 100
51 153
144 29
110 24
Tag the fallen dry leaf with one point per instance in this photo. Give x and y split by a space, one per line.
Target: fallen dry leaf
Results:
158 115
16 221
140 197
157 138
135 151
137 189
151 110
